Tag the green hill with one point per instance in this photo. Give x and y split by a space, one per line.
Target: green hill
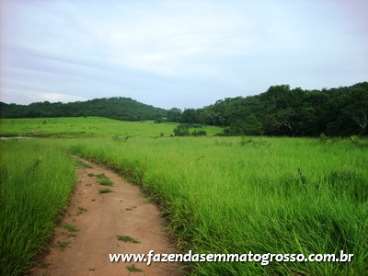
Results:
291 112
117 108
280 110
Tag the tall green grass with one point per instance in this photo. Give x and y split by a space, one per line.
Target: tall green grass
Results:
88 127
223 194
232 195
36 180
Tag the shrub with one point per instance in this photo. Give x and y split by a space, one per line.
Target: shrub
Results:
181 130
323 138
354 139
200 132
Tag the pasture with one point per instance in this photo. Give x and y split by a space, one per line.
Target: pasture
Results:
36 181
220 194
87 127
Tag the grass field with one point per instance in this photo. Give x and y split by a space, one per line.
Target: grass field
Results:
36 180
259 194
87 127
225 194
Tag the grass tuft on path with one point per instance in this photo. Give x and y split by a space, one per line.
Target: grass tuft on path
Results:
104 191
103 180
125 238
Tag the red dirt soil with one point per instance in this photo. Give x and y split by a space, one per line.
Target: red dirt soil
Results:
99 218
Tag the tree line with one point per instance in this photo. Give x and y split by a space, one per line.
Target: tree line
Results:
117 108
281 110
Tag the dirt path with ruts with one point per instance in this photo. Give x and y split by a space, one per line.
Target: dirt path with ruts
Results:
119 220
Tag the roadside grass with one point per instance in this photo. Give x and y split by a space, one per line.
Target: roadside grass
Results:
265 195
125 238
36 180
103 180
82 164
235 195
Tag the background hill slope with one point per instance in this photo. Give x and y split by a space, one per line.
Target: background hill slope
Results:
118 108
280 110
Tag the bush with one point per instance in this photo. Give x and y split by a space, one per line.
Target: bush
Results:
200 132
194 125
181 130
184 130
354 139
323 138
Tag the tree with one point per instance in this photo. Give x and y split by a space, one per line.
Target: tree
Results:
189 116
174 115
181 130
280 110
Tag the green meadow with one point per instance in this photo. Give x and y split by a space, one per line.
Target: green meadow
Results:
36 180
219 194
88 127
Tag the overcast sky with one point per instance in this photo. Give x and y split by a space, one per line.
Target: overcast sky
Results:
185 53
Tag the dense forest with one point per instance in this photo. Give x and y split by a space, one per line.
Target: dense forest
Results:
117 108
283 111
278 111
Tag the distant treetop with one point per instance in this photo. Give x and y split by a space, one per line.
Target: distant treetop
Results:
278 111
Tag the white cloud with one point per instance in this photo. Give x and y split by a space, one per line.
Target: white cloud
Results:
57 97
177 43
26 96
156 50
172 38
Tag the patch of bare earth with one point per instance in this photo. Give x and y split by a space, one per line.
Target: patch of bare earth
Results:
97 224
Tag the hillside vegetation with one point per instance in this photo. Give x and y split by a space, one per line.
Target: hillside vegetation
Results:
279 111
290 112
117 108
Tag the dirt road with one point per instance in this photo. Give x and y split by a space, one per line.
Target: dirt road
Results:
103 219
